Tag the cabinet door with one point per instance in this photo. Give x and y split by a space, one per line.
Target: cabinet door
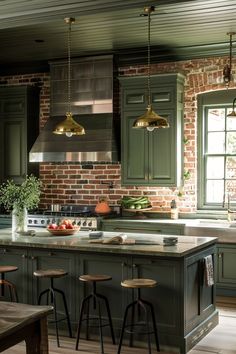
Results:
200 298
134 151
54 260
226 267
18 258
117 268
14 149
19 126
162 167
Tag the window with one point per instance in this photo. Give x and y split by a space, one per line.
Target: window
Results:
216 150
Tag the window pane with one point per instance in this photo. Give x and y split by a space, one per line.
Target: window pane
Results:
214 191
231 167
216 143
231 189
215 167
216 119
231 123
231 143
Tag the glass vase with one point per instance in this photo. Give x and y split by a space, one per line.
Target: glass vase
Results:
19 220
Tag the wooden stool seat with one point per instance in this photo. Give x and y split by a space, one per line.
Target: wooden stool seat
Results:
94 277
7 284
7 269
50 273
138 283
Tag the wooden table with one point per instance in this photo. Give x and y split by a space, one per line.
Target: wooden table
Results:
21 322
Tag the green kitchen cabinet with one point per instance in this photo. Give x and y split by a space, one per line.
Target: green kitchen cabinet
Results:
139 226
152 157
10 256
226 270
19 127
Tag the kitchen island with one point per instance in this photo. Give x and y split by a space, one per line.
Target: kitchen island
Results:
184 304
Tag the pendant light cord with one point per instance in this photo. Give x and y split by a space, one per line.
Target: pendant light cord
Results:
69 67
149 40
230 52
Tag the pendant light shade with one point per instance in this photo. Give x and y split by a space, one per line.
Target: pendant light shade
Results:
233 113
69 126
150 120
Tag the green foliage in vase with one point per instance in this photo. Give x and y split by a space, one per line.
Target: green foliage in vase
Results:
26 195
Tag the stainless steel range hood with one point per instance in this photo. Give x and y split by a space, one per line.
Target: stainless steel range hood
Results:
101 142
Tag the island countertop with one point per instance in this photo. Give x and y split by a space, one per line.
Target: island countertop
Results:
81 242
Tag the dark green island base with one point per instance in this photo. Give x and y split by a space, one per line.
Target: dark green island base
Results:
184 305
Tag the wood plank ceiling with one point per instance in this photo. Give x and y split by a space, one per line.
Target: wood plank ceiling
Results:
34 30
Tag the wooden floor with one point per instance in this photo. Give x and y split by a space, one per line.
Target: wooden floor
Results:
221 340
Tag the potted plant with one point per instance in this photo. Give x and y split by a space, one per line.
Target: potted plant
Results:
19 199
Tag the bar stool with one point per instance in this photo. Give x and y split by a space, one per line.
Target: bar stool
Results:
51 292
144 310
97 300
6 283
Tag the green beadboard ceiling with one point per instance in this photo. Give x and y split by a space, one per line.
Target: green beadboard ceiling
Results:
34 30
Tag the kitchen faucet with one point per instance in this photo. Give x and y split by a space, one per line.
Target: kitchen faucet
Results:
230 212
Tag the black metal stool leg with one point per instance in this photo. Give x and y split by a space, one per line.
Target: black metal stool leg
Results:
53 302
47 291
153 324
84 301
100 327
109 316
66 309
123 325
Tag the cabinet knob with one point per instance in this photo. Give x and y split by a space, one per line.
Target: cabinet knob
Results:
123 264
51 254
220 255
134 265
33 257
4 250
23 256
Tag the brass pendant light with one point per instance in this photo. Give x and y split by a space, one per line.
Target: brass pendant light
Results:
150 120
227 75
69 126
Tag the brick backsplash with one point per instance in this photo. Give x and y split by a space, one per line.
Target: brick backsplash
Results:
85 183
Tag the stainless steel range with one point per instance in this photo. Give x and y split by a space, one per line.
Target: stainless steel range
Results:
82 216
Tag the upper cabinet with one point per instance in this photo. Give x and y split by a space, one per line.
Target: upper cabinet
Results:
19 127
91 86
152 157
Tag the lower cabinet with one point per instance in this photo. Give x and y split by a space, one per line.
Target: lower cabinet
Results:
226 270
16 257
142 227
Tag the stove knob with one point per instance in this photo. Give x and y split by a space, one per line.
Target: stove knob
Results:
84 223
90 223
35 222
30 221
42 222
48 221
79 223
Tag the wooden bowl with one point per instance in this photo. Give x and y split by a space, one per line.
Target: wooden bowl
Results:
65 232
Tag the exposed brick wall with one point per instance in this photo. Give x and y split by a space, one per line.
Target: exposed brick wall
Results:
85 184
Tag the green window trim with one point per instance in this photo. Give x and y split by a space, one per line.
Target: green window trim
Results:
207 102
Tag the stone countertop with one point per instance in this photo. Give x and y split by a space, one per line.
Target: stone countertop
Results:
80 242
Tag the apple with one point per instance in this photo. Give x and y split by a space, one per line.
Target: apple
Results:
52 226
62 227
